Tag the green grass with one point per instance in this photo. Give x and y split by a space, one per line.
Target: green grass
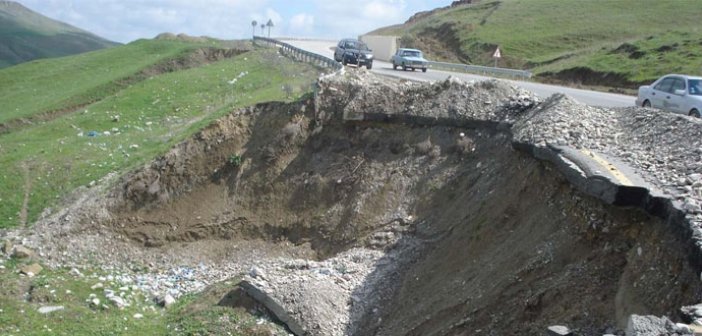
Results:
54 84
556 34
194 314
49 160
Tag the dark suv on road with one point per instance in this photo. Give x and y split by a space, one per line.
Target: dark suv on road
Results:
354 52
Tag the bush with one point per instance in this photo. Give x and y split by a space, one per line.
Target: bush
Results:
235 160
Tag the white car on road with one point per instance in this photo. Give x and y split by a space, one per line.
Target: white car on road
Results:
675 93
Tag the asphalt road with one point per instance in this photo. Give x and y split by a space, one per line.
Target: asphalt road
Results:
593 98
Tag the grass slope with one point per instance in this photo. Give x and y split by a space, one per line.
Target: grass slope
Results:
42 163
586 39
26 35
62 83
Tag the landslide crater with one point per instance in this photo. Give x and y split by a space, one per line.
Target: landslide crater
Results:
506 245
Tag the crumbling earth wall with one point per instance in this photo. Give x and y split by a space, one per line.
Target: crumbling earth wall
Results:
473 206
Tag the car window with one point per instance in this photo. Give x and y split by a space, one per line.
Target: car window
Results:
411 54
679 84
695 87
665 85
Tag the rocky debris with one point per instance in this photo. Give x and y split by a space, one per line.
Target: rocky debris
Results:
49 309
94 302
359 96
652 325
118 301
312 298
558 331
167 301
31 269
319 298
22 252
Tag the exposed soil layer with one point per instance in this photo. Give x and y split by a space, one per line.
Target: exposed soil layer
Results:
587 76
502 243
514 249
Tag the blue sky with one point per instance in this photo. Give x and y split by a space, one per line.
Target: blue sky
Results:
128 20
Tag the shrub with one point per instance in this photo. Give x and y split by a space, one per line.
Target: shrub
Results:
235 160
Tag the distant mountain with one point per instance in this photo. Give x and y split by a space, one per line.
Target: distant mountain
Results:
26 35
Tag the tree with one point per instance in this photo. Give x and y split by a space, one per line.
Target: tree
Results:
269 25
254 24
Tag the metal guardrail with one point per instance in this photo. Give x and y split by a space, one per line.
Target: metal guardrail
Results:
480 69
323 61
299 54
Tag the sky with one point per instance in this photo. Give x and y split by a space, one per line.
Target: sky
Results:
127 20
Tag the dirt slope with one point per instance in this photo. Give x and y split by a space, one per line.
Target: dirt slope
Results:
502 244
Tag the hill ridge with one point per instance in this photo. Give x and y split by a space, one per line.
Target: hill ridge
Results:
26 35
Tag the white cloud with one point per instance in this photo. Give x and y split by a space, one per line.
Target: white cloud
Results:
383 10
302 23
127 20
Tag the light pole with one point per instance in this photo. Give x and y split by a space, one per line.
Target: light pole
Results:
253 27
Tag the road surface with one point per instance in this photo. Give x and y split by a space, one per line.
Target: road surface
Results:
593 98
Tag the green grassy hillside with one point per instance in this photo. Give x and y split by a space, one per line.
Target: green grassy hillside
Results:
113 126
26 35
610 42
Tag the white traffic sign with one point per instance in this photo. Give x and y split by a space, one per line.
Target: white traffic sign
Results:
497 53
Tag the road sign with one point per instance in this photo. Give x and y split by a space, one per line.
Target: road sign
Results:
497 53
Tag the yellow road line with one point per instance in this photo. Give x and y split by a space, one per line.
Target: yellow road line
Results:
618 175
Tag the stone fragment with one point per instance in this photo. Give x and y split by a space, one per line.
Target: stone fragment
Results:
649 325
168 300
257 273
558 330
118 301
31 270
6 247
49 309
22 252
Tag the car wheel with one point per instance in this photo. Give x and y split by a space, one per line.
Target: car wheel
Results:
404 67
343 61
369 66
424 70
394 66
646 103
694 113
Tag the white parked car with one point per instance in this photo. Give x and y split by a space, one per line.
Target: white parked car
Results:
675 93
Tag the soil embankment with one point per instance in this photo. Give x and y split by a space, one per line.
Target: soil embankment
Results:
410 206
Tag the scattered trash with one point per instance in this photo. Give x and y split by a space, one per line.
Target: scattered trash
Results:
92 134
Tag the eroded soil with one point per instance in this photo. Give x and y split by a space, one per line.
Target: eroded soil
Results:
507 245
